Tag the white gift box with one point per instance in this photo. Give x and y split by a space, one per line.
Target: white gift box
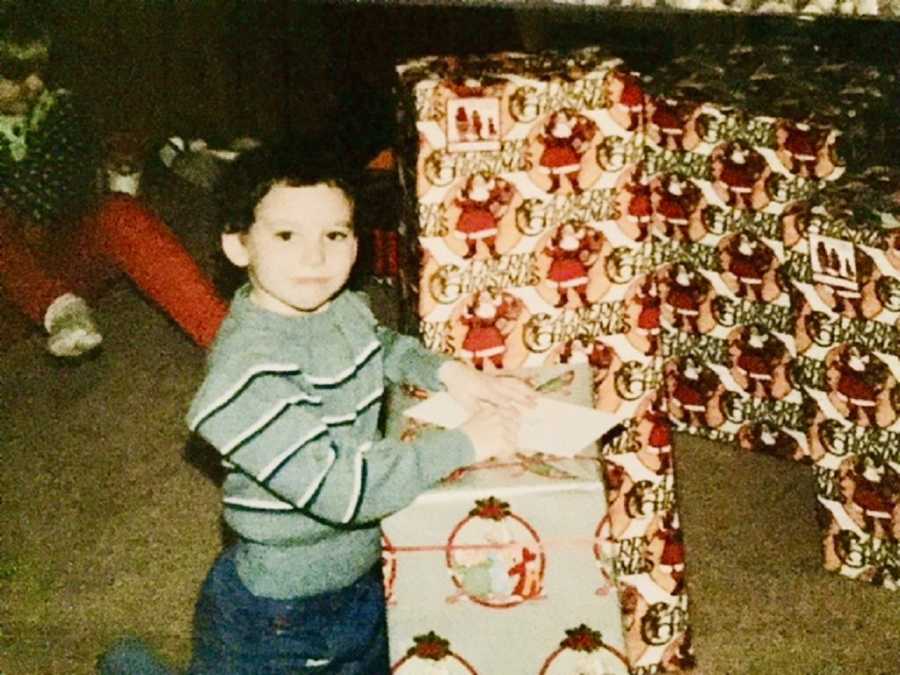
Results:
503 567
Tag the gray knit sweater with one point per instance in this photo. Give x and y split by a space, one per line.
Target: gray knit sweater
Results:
292 404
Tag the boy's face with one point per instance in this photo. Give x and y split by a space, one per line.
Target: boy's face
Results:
300 249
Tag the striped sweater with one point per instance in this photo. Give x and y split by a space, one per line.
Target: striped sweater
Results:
292 404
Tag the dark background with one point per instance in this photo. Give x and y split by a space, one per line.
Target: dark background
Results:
220 68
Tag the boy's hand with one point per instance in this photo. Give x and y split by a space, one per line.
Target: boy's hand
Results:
494 431
472 388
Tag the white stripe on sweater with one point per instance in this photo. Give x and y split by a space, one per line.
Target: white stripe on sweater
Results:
345 374
314 486
264 504
284 456
351 416
356 496
262 422
241 383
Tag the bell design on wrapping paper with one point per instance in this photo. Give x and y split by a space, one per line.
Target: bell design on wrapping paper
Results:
495 557
431 655
583 652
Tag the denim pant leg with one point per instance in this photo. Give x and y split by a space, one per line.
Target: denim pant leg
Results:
337 633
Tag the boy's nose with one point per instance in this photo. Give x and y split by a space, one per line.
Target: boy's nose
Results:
312 255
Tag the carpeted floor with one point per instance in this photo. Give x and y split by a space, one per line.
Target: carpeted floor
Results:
107 529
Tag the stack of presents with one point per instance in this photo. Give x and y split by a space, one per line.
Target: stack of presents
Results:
678 262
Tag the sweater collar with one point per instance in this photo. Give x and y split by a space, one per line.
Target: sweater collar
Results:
324 344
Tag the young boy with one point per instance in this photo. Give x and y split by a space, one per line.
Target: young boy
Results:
291 400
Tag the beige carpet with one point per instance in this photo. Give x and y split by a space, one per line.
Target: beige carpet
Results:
107 530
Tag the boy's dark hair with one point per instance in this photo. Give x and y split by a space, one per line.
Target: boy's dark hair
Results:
294 163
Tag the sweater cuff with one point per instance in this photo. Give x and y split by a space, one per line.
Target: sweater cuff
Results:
448 450
424 372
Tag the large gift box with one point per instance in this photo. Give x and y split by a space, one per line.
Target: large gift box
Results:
846 274
528 246
504 567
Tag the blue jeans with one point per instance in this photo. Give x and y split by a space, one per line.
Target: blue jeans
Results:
237 633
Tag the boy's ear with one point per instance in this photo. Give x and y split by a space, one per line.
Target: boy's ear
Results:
235 251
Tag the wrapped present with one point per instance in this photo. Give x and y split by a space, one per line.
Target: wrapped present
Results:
512 164
504 566
529 246
793 79
844 268
858 489
845 271
645 541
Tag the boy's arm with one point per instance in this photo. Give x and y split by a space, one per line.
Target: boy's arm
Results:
408 361
267 428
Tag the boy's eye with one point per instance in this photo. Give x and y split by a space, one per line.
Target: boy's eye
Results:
338 235
285 235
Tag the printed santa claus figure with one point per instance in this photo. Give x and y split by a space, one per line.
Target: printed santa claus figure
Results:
636 207
685 291
756 357
665 555
489 320
740 173
871 495
749 266
676 206
655 434
483 202
669 121
803 149
645 310
692 388
768 438
573 249
892 251
566 137
856 382
628 99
